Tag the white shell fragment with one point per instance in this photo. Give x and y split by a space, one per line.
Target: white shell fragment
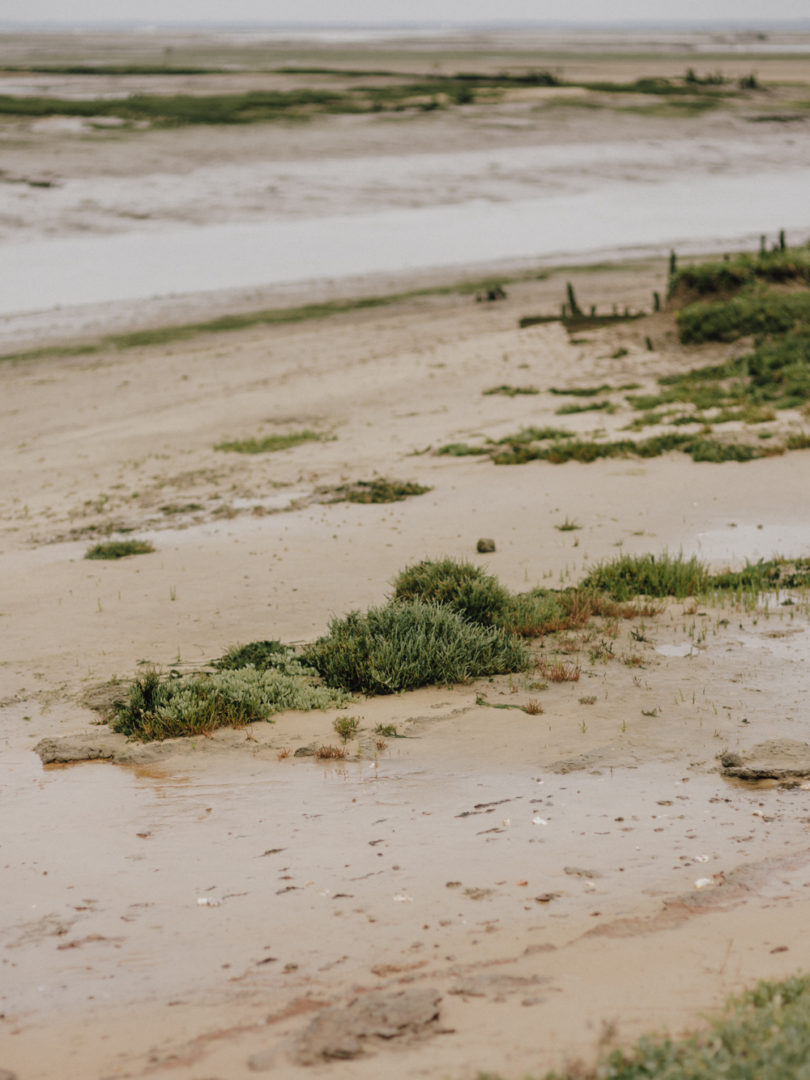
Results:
704 883
539 821
208 901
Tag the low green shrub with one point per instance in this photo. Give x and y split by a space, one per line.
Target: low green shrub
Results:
407 644
771 313
719 277
462 586
157 708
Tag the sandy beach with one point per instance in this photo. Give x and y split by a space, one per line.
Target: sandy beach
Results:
520 890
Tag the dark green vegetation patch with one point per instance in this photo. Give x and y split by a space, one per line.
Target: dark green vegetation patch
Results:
407 644
268 444
649 575
119 549
765 297
377 491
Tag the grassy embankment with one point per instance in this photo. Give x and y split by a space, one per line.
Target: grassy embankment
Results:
393 92
766 297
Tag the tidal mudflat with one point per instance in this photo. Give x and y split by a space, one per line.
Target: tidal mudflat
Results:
503 874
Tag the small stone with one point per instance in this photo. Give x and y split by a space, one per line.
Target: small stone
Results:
485 546
305 751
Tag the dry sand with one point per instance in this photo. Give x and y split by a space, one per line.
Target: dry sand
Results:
544 884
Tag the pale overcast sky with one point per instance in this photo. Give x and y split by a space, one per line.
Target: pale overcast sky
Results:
398 11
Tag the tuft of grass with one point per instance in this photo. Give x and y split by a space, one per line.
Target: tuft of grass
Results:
269 444
346 727
159 708
510 391
629 576
583 391
595 406
567 525
330 753
260 655
407 644
559 670
765 576
762 1035
378 491
119 549
388 730
534 434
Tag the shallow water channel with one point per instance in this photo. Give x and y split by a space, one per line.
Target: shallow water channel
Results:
583 221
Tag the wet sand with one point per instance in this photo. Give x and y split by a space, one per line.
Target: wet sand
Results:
539 873
558 882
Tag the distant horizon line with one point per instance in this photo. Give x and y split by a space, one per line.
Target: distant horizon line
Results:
727 24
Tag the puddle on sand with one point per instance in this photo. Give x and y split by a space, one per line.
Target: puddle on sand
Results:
319 866
747 543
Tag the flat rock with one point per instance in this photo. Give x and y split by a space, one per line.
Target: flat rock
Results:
776 759
86 746
98 745
368 1023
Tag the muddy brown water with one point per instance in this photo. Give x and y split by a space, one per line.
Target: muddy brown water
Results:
131 884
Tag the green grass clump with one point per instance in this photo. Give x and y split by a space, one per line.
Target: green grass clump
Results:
199 704
586 451
407 644
727 277
175 110
378 491
270 443
119 549
595 406
510 391
647 575
260 655
534 434
763 1035
726 320
765 576
462 586
584 391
